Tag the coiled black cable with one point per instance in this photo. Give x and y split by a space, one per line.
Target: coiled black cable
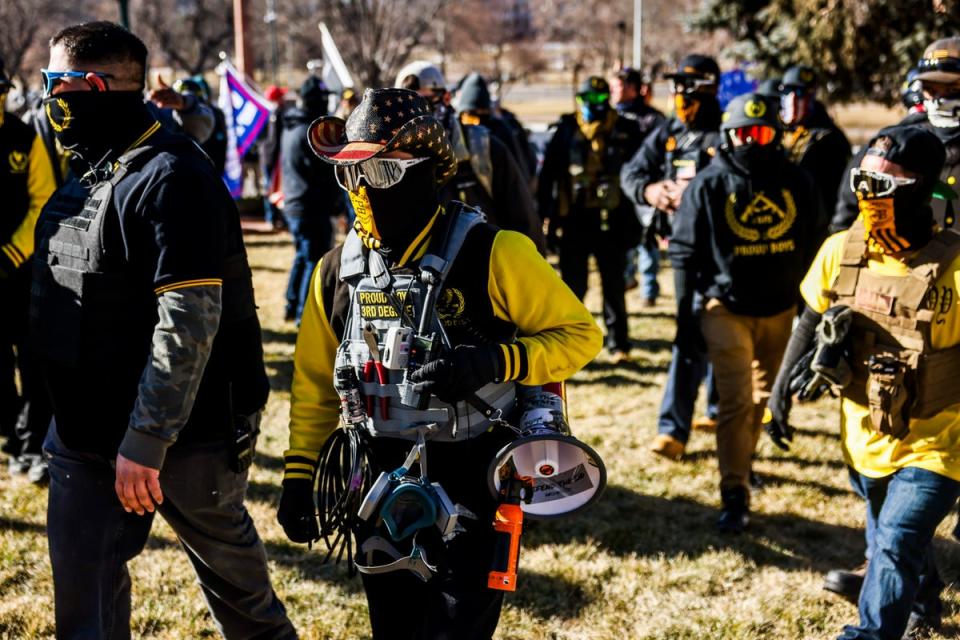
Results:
343 477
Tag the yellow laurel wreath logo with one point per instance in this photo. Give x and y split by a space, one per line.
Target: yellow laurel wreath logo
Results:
451 304
755 108
67 116
760 209
18 162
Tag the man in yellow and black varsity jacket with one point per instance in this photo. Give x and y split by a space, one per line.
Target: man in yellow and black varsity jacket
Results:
26 182
509 319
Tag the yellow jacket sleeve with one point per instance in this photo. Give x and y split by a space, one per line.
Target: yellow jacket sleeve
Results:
823 270
40 186
314 403
557 336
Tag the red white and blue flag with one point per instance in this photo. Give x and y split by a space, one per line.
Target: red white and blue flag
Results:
247 113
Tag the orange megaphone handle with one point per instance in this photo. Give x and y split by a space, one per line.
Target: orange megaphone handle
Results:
507 526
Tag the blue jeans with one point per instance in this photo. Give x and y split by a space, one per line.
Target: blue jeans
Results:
903 511
649 259
311 239
689 367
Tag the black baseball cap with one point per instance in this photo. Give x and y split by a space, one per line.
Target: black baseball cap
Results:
799 77
752 109
593 84
696 67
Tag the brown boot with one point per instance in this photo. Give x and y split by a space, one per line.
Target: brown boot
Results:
668 447
705 423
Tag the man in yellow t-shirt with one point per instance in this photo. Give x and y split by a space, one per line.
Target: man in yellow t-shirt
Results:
905 466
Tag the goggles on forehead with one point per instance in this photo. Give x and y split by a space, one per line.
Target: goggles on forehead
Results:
875 184
755 134
379 173
594 97
52 78
690 85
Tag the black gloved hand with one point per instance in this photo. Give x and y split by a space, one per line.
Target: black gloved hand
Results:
457 375
779 430
297 513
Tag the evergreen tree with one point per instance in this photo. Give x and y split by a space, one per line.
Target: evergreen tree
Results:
861 48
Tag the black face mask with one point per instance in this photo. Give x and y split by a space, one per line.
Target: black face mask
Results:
756 159
388 220
97 124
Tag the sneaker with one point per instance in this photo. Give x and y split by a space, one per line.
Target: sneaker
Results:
668 447
619 356
289 315
38 473
631 284
735 515
846 584
921 627
705 423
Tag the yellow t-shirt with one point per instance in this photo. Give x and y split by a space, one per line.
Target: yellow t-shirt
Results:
932 444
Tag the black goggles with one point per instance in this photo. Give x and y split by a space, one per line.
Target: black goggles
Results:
379 173
875 184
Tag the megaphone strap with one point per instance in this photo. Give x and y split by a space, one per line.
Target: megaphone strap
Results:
416 562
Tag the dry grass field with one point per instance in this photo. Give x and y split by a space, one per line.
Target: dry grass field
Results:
644 563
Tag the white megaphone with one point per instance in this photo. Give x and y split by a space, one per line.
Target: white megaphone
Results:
559 474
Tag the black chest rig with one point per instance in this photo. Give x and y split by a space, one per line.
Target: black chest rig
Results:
86 307
595 182
386 303
687 152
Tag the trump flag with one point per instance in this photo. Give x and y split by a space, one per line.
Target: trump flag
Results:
246 113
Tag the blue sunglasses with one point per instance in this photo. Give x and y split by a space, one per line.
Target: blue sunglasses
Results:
50 78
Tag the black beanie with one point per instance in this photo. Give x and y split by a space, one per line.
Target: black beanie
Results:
474 93
915 148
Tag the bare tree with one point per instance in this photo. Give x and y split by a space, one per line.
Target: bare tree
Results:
188 34
498 36
375 37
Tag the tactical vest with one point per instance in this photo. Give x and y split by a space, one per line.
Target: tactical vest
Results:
893 316
687 152
16 140
88 307
798 142
371 282
597 187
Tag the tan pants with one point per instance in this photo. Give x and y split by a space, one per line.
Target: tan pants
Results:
745 353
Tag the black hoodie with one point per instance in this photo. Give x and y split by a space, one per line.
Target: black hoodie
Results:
747 240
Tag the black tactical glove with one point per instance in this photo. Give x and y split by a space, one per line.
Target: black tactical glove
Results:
458 374
779 431
297 513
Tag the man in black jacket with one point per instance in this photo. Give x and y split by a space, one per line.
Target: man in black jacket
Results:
144 321
811 139
579 194
311 196
655 178
747 228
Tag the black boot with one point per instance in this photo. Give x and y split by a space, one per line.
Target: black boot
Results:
735 515
846 584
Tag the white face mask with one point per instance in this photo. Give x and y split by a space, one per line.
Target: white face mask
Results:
943 112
